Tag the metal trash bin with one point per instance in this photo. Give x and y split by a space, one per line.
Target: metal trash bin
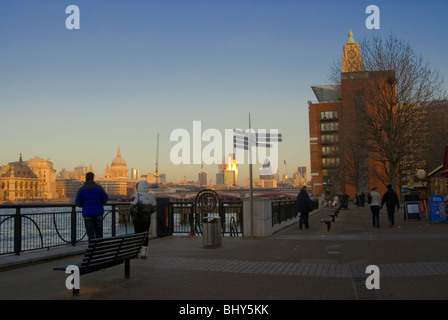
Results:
211 230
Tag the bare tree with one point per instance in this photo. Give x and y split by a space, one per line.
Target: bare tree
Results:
396 105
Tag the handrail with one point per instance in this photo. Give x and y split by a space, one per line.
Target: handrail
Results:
26 231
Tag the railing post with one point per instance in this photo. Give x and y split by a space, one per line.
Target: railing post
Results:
192 219
17 232
114 221
73 226
222 216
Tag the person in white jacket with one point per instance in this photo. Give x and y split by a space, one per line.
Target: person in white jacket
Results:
143 205
374 199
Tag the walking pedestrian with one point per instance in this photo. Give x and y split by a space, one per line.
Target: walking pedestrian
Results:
91 197
390 198
362 199
336 202
375 201
143 205
304 206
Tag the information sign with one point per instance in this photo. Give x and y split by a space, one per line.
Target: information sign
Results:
437 208
412 210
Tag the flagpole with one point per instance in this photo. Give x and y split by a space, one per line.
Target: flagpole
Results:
251 185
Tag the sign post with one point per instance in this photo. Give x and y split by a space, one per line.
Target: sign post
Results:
247 140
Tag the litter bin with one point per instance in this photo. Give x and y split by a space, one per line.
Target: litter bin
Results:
211 230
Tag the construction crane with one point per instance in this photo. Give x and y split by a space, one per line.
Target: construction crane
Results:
156 174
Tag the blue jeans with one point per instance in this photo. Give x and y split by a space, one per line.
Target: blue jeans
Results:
94 227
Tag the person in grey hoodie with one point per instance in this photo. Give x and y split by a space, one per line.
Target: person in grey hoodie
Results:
375 202
143 205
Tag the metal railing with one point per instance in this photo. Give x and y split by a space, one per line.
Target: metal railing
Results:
28 227
283 210
187 220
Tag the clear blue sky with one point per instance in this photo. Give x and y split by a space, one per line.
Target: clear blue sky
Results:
142 67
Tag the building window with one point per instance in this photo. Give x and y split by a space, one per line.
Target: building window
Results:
328 115
329 126
330 162
330 138
330 151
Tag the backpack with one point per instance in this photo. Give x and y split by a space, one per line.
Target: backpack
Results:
137 210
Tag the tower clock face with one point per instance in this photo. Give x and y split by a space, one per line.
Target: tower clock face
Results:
352 54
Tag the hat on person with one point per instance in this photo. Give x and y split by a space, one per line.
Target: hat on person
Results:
389 186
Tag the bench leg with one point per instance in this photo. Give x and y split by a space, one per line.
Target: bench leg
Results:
75 292
328 226
127 268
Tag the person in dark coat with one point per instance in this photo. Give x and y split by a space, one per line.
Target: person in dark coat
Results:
304 207
390 198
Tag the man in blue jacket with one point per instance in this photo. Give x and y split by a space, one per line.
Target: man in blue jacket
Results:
91 197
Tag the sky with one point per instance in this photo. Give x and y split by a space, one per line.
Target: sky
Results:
136 69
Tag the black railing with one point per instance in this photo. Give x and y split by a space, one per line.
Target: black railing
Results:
27 227
283 210
187 219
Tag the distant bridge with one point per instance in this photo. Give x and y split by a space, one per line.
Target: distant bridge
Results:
273 193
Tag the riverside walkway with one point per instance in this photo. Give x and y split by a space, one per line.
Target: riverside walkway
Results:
292 264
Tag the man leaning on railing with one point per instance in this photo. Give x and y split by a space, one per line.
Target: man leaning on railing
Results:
91 197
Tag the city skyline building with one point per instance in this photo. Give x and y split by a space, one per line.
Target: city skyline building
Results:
36 179
202 178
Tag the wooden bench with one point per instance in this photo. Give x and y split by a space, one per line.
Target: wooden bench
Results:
108 252
327 222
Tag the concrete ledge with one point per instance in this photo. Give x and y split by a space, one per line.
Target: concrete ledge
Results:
12 260
260 225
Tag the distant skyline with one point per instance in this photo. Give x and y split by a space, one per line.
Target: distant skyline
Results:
139 68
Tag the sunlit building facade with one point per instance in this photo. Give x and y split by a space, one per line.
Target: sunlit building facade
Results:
19 183
333 118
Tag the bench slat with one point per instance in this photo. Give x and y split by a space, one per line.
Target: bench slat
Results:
107 252
131 253
111 250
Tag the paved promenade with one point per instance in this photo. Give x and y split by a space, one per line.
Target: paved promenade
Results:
292 264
